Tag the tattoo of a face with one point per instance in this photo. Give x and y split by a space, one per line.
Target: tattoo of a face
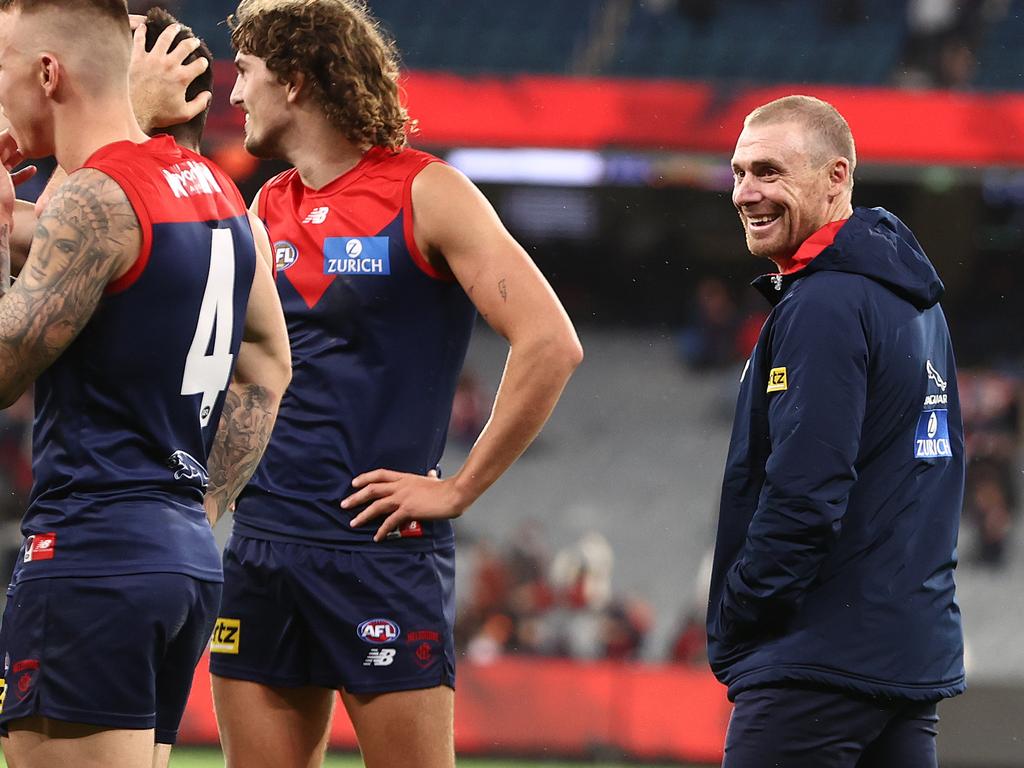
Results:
86 235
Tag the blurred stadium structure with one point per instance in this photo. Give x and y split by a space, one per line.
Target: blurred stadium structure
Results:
601 130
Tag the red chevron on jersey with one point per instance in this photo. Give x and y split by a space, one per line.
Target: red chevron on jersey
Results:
359 203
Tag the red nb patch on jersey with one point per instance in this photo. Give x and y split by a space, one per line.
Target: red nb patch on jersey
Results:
40 546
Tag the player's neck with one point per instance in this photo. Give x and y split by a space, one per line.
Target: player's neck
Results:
81 129
321 154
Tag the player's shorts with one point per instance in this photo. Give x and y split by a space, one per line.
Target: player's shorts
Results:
366 620
112 651
804 727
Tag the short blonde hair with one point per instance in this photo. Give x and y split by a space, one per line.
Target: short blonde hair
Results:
819 117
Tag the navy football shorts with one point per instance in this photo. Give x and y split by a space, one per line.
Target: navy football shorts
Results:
114 651
367 619
804 727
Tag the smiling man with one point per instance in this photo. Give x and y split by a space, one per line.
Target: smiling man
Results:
832 616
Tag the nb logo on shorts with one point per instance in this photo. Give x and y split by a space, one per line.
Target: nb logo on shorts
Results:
225 636
379 657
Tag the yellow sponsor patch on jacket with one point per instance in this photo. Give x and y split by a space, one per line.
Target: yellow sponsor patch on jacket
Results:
777 380
226 633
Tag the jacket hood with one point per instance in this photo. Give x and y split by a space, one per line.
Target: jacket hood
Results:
876 244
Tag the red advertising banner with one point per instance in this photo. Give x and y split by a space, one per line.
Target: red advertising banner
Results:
890 126
555 707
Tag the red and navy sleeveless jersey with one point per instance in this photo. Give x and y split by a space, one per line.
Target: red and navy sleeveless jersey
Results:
378 338
125 416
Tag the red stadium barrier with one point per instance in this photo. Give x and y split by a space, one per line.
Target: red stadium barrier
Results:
602 113
555 707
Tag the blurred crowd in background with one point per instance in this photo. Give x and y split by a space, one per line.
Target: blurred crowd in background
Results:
520 597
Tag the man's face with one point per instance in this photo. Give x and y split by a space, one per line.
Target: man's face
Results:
263 98
22 98
780 189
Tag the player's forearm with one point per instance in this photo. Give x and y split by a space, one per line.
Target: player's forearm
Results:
535 375
242 436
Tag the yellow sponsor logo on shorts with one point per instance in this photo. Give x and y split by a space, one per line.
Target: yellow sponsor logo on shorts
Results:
777 380
225 636
3 693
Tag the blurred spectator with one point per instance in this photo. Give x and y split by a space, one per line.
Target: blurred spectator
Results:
690 644
626 624
710 339
582 571
492 640
943 37
515 608
990 403
469 410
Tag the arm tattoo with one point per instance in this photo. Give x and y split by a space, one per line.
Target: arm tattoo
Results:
244 431
84 237
503 289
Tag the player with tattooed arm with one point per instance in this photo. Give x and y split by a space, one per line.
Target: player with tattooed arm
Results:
141 295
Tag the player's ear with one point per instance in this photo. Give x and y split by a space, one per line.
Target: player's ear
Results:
49 73
296 84
839 174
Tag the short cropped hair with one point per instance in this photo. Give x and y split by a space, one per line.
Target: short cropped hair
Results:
157 20
820 117
350 65
116 10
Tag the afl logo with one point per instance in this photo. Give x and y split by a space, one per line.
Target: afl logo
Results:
378 631
933 425
285 254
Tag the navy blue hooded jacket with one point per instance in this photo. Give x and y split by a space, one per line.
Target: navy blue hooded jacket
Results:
844 482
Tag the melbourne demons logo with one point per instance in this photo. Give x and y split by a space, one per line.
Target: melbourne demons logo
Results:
378 631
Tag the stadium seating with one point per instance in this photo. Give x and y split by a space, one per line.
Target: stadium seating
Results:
783 41
742 41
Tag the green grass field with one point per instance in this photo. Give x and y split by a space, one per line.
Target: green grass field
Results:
211 758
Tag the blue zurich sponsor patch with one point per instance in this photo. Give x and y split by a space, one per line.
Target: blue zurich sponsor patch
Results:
356 256
932 439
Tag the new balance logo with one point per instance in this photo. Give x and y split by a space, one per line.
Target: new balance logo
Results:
379 657
317 216
189 179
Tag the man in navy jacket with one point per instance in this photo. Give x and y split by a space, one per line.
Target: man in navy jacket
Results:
832 617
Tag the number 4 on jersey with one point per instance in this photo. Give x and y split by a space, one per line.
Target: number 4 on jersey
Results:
207 371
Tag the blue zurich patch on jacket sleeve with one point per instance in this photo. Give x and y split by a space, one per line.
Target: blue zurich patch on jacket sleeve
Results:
932 439
356 256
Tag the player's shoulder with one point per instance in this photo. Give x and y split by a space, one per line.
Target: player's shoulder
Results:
279 181
380 162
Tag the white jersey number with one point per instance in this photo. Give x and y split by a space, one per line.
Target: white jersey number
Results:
209 373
